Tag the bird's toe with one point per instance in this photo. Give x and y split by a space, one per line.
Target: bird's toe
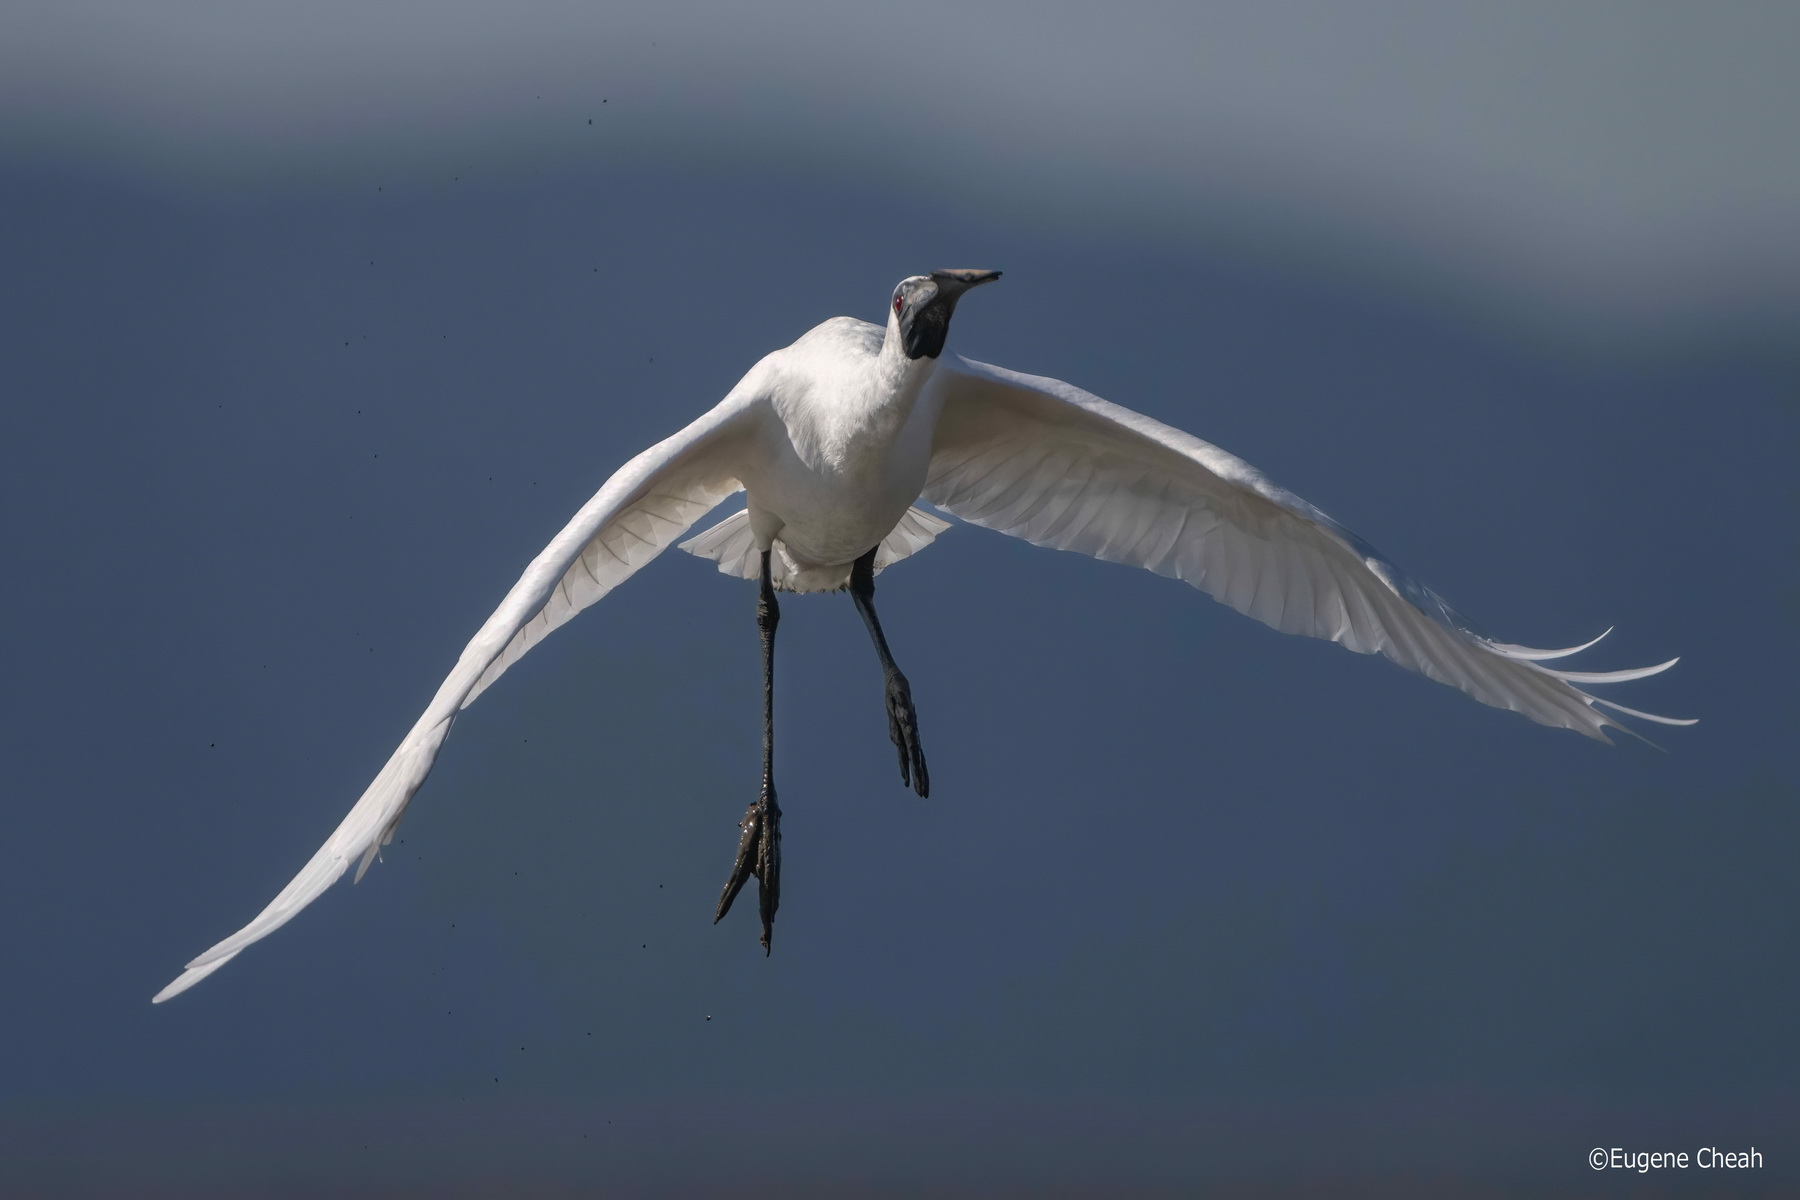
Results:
768 869
742 867
903 731
758 855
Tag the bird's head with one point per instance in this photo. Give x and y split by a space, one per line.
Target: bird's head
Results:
922 306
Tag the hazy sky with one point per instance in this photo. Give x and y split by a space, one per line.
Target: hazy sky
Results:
316 326
1631 159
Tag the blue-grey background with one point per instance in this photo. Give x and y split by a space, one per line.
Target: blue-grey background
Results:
315 325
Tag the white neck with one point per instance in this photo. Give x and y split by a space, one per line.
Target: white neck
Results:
906 374
899 378
865 418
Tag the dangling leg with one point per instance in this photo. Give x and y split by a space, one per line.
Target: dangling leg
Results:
759 849
903 722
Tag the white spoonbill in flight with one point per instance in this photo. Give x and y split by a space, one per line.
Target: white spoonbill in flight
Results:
832 441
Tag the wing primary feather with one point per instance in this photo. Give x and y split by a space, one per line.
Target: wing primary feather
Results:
1611 676
1632 712
1530 655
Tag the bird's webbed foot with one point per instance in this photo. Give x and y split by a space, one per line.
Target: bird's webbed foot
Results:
758 854
903 731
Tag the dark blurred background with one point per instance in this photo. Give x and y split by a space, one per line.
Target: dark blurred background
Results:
316 325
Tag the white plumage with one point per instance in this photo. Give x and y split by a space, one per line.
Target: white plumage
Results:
834 438
732 544
1047 462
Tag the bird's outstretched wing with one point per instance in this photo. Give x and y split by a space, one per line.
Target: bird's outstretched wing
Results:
1045 461
641 510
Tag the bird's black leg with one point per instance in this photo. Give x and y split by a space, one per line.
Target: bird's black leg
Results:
903 722
759 847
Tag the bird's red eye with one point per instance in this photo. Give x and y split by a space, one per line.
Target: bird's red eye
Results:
897 303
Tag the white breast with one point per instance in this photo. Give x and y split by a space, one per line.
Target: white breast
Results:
848 452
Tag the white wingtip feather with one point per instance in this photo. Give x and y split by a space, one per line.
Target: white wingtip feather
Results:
1611 676
1632 712
369 856
190 977
1528 654
373 853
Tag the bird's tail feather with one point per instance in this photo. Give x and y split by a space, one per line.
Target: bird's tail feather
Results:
732 545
